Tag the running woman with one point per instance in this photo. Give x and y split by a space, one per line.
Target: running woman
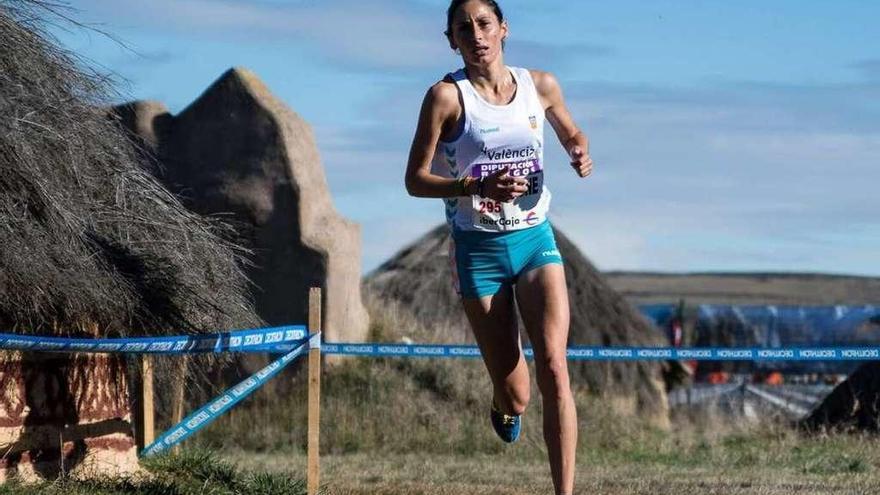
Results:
479 145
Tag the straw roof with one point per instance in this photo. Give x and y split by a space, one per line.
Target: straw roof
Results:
853 405
87 236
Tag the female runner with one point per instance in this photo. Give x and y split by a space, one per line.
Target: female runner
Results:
479 145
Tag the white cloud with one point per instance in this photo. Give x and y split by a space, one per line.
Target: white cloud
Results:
378 34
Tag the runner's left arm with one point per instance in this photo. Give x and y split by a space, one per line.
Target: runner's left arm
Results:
573 140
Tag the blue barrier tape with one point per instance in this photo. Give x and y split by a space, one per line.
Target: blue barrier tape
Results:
220 404
292 340
590 353
273 339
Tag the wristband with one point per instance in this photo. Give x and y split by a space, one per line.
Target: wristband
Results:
481 185
467 184
461 186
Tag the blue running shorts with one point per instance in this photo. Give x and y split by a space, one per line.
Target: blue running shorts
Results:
484 261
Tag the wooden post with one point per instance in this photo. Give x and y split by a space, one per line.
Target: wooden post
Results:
147 409
314 467
178 391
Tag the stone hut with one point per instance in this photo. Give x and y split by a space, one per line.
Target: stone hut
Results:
240 152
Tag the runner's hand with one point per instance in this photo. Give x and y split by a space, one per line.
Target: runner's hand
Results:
500 186
581 161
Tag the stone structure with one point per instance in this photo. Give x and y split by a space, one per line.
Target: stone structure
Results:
239 150
64 414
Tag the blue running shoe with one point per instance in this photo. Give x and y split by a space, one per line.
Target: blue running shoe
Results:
506 426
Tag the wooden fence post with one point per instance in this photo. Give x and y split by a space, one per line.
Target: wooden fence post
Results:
314 468
147 408
179 394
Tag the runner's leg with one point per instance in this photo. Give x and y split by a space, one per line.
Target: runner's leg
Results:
542 297
494 323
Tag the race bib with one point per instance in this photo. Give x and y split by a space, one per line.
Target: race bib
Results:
517 214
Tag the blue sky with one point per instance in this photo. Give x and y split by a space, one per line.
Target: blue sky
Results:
727 136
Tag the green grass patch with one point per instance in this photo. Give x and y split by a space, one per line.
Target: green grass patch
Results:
193 472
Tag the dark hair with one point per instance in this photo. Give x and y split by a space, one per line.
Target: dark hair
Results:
450 12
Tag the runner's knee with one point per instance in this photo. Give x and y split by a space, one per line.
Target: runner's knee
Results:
552 374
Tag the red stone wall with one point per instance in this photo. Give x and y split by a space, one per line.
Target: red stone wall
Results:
64 413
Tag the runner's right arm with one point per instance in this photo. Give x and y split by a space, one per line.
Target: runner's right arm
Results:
440 114
440 111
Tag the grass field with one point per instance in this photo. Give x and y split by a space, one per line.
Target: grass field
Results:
409 426
406 426
759 460
391 429
509 474
765 460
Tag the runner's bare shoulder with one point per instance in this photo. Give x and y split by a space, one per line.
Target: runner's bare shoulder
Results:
545 82
443 103
444 95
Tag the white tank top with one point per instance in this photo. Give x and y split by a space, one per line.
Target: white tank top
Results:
492 137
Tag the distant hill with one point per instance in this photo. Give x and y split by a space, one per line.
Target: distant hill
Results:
745 288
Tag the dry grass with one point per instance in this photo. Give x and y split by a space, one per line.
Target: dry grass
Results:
407 426
510 473
402 426
615 457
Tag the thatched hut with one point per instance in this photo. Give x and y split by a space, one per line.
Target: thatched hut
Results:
853 405
90 245
418 280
